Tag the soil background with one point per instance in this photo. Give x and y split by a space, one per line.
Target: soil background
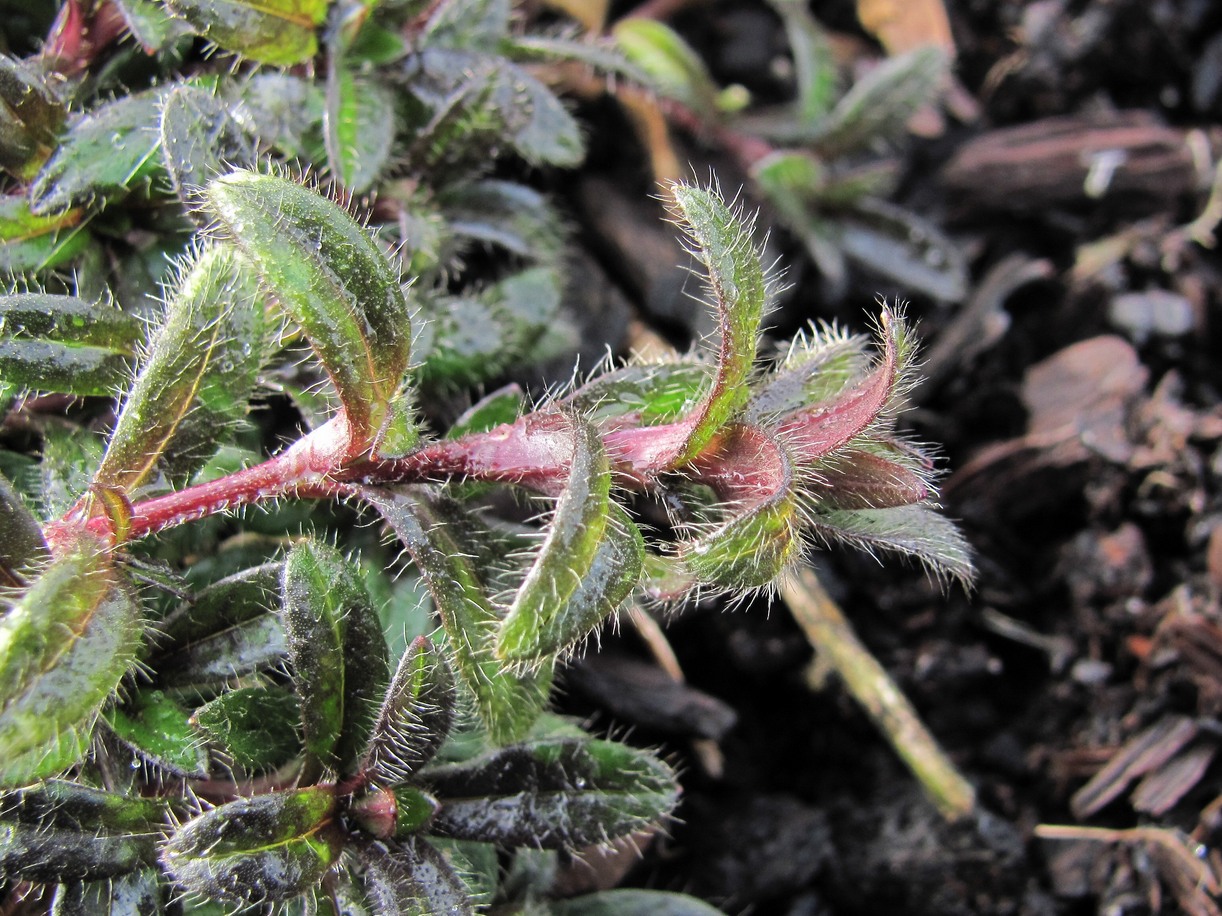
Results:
1074 393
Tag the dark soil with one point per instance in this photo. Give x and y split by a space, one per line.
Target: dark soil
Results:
1076 398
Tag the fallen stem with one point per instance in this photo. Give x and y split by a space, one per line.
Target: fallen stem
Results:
833 638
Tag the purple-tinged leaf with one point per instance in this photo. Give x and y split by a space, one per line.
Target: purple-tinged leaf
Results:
815 431
752 474
869 478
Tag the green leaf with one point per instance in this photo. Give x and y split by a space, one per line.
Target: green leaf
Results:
412 878
281 109
276 32
415 717
631 902
158 729
266 848
105 153
554 793
736 281
588 564
331 277
36 243
654 392
58 803
200 139
247 594
254 727
880 103
433 532
197 378
70 458
22 546
64 645
674 70
813 61
31 115
61 343
337 651
151 25
753 475
501 406
359 128
917 531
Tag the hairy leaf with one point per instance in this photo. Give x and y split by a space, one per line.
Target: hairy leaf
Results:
200 139
276 32
736 280
254 727
337 651
916 531
817 367
554 793
282 110
501 406
104 153
232 600
330 276
513 216
70 458
206 665
467 23
269 847
53 854
197 378
159 730
57 803
137 893
61 343
872 476
64 645
586 567
151 24
657 393
32 244
430 529
412 878
415 717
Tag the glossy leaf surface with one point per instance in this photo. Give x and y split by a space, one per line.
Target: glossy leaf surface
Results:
431 530
36 243
62 343
158 729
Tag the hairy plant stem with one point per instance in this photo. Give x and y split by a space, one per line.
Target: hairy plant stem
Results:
839 648
533 452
